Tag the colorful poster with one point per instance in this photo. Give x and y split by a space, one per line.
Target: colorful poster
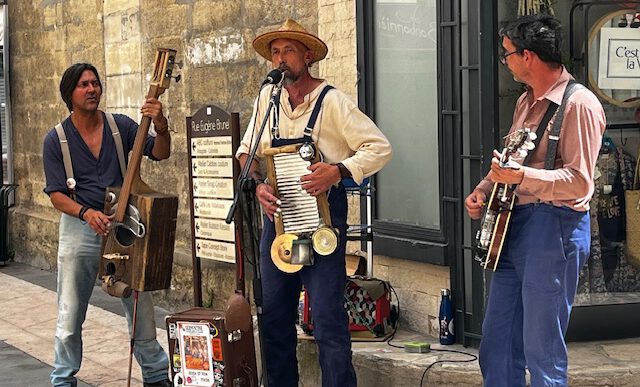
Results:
195 352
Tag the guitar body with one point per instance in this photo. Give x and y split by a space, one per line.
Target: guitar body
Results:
495 225
495 220
143 263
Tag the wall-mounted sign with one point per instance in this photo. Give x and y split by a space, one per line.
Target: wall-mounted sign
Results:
213 136
619 64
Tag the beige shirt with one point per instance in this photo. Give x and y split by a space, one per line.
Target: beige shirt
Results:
342 132
571 183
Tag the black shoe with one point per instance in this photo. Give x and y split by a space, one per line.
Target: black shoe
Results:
162 383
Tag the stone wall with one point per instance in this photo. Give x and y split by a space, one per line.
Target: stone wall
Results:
213 39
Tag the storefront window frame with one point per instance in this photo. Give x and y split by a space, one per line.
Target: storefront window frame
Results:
397 239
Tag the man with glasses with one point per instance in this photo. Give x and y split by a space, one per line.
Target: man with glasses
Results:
548 241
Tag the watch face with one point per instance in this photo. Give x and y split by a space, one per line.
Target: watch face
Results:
307 151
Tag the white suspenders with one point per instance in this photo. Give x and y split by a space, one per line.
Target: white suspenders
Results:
66 155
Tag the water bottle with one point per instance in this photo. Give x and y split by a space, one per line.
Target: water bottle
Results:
447 336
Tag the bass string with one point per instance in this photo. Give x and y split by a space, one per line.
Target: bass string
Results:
108 246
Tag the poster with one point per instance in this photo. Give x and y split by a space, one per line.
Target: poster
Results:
196 354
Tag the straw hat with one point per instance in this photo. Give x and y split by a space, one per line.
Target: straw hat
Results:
290 29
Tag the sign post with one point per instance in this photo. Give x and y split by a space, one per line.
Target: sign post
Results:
213 135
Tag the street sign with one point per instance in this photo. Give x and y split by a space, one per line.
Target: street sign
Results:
213 136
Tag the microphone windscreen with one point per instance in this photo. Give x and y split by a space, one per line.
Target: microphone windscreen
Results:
274 76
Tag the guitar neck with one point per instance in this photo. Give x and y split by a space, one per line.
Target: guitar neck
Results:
133 167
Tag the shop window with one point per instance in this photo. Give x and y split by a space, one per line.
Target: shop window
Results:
612 273
401 89
406 106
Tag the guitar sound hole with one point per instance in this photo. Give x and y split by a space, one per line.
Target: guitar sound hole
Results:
125 237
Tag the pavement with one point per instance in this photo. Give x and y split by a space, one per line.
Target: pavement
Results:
28 318
27 327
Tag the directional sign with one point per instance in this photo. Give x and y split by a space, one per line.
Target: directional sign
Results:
220 251
213 188
212 167
213 135
211 146
214 229
211 208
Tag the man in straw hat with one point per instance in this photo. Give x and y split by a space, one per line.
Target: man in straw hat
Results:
352 147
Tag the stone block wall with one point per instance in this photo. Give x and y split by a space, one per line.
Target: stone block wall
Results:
219 66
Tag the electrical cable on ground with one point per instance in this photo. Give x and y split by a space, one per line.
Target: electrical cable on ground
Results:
424 374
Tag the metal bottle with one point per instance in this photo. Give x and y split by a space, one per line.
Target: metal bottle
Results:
447 335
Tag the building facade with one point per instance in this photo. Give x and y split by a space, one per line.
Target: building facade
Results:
426 71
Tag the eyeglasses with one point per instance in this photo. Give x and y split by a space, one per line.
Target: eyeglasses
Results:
503 57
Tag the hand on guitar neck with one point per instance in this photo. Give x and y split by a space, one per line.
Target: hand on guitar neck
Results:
506 173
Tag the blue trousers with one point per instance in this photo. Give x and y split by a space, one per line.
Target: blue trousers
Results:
78 261
324 282
531 296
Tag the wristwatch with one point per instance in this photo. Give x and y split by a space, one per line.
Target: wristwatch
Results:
344 172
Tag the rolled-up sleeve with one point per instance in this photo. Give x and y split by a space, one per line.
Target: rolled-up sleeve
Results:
371 147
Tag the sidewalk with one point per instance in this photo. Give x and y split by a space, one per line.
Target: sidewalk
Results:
28 318
27 328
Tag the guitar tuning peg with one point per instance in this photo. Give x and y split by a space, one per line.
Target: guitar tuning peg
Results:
528 145
522 153
532 136
178 64
177 77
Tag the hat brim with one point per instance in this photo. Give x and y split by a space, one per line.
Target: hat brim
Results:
262 43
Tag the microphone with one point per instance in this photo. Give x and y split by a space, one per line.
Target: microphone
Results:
274 77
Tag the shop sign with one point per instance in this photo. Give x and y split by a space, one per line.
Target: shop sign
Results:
619 64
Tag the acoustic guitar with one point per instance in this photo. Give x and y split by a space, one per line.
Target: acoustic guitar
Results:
497 215
138 251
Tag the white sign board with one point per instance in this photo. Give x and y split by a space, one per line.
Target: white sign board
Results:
619 65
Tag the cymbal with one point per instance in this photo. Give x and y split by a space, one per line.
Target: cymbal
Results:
281 252
325 240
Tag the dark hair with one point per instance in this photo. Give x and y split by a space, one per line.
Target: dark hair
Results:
540 33
70 80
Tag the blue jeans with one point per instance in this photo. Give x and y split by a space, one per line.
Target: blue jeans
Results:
78 261
531 297
324 282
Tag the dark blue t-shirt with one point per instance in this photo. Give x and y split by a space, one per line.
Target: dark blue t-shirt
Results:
92 176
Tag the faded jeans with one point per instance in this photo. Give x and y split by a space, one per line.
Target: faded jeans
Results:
78 261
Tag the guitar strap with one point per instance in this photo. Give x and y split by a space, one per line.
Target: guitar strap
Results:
554 135
66 154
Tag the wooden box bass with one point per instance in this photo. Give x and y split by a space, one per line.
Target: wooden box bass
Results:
145 262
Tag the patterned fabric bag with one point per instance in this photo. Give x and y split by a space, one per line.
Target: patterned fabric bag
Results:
632 199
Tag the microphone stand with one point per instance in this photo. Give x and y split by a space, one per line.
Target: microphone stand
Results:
247 186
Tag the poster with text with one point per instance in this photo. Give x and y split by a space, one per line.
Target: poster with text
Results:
195 350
